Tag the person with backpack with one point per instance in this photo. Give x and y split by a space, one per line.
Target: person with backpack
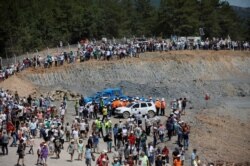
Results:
90 141
57 145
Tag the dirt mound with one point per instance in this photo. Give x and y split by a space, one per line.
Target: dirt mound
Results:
23 87
58 95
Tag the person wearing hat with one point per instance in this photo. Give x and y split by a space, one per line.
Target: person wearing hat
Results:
44 153
102 159
174 105
71 149
104 113
108 125
177 161
157 106
103 163
80 149
99 127
158 160
131 139
163 107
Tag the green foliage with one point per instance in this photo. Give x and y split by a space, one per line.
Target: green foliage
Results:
31 24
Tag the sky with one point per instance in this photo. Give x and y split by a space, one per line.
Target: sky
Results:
241 3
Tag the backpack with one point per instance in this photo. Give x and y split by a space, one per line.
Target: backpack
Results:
20 148
105 139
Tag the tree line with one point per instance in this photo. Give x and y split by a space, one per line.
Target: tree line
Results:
30 24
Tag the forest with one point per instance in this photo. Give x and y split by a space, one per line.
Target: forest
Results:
26 25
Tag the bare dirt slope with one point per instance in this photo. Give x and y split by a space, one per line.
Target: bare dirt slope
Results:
219 132
17 83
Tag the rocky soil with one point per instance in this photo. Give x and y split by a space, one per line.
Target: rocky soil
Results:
220 131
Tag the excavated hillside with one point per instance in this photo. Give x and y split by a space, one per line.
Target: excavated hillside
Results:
220 130
170 75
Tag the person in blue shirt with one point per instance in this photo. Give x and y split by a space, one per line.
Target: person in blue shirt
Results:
88 155
115 132
95 143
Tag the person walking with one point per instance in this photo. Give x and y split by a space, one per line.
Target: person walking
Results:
71 149
44 154
95 143
80 149
104 113
109 142
5 142
193 156
21 152
88 155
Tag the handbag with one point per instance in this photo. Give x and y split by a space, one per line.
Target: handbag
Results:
93 157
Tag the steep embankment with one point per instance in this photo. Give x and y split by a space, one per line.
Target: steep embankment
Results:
172 74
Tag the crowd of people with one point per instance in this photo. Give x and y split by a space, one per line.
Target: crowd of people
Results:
107 50
134 141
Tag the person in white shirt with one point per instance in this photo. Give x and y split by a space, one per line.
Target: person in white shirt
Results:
82 128
124 134
62 112
75 134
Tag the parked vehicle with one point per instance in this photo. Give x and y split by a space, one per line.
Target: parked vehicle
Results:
146 108
107 95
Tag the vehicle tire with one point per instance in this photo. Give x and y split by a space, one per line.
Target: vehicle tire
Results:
126 115
151 114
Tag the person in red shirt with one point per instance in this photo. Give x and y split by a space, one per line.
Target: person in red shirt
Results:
165 153
102 159
10 127
131 138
